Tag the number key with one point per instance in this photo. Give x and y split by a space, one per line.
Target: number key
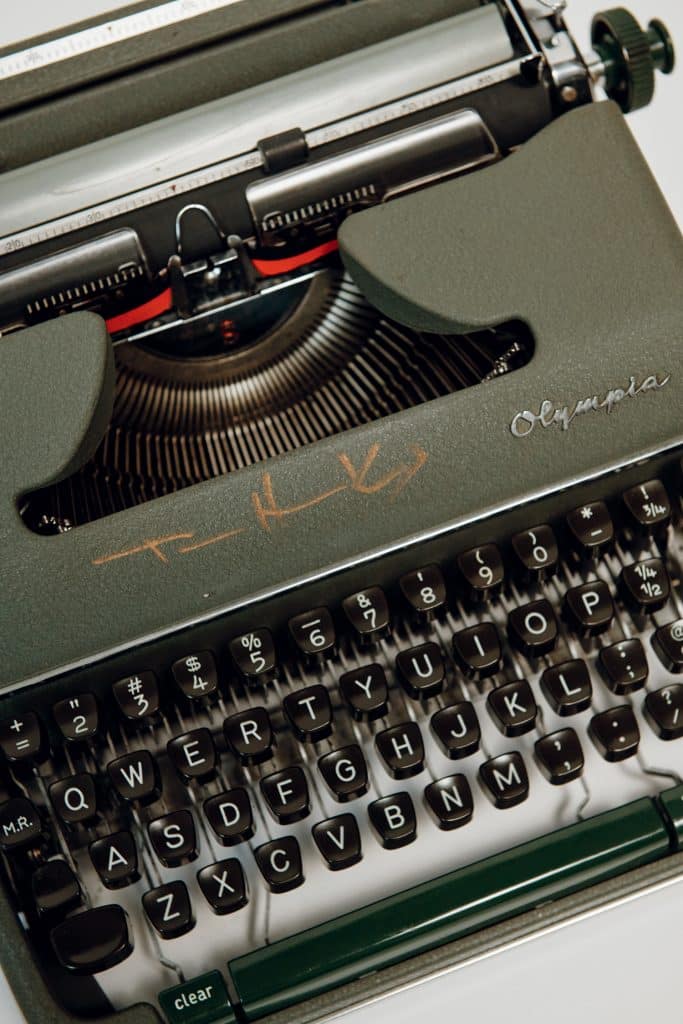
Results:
645 585
591 528
424 590
664 711
77 717
648 506
137 696
22 738
196 675
368 614
313 633
254 656
483 571
537 552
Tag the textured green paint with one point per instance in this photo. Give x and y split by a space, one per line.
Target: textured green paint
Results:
671 801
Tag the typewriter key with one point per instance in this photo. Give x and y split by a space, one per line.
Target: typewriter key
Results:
230 816
310 713
668 645
424 590
286 795
254 656
477 650
280 864
19 824
249 735
224 886
591 529
537 552
115 859
482 572
567 687
93 940
450 801
645 585
135 777
393 819
559 756
366 692
338 840
137 696
456 729
196 675
648 507
193 755
174 839
55 888
313 634
589 609
345 772
77 717
533 628
624 666
169 910
74 799
368 614
513 708
421 671
664 711
402 750
22 738
505 781
615 733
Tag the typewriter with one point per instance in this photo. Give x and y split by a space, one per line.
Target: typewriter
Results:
341 620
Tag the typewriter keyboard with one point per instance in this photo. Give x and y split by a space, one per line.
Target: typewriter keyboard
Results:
226 828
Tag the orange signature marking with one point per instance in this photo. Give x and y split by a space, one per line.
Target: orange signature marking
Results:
267 508
186 549
154 545
402 475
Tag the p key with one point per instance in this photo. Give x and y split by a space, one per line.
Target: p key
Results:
477 650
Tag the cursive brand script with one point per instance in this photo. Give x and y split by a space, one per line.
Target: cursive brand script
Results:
551 415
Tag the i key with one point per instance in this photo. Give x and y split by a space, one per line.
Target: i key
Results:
196 675
224 886
366 692
402 750
422 671
77 717
483 572
559 756
425 591
664 711
533 628
368 615
338 840
169 909
477 650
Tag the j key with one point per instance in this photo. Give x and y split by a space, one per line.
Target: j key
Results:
477 650
505 781
559 756
310 713
135 777
513 708
193 755
450 801
664 711
645 585
74 799
424 590
668 644
533 628
280 864
286 795
457 730
313 634
567 687
537 552
169 909
366 692
254 656
483 571
173 839
402 750
345 773
230 816
77 717
615 733
224 886
589 609
624 666
196 675
338 840
250 735
591 528
393 819
137 696
422 671
368 614
648 506
19 824
115 859
22 738
55 888
92 941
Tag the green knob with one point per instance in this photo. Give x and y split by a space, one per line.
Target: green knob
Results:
631 56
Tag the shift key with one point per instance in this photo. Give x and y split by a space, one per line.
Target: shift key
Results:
203 1000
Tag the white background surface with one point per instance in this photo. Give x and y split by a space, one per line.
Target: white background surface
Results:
622 965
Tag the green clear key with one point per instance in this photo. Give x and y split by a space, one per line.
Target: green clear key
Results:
203 1000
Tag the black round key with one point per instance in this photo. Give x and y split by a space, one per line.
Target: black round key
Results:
137 696
477 650
559 756
22 738
169 910
196 675
402 750
648 506
368 614
77 717
645 585
393 819
310 713
254 656
224 886
338 840
135 777
314 634
115 859
615 733
55 888
424 590
482 571
345 772
421 671
533 628
668 645
280 864
286 795
366 692
450 801
93 940
624 666
504 780
589 609
249 735
19 824
664 711
230 816
74 799
193 755
513 708
457 730
591 528
567 687
174 839
536 552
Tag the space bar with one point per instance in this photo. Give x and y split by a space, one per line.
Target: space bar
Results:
447 908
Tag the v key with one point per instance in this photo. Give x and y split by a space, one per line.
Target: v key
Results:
338 840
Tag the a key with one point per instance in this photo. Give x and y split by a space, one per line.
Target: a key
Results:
254 656
624 666
137 696
368 615
115 859
667 642
504 780
286 795
393 819
93 940
19 824
559 756
591 529
425 591
280 864
22 738
664 711
422 671
314 634
589 609
477 650
456 729
310 713
193 755
615 733
74 799
345 772
402 750
532 628
55 888
224 886
174 839
648 507
645 585
513 708
450 801
78 717
338 840
230 816
196 675
482 571
366 692
249 735
135 777
536 552
567 687
169 910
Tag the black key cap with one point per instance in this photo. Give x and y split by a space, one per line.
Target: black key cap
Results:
137 696
483 571
457 730
567 687
22 738
424 590
645 585
280 864
19 824
286 794
313 634
537 552
589 609
345 772
402 750
174 839
668 645
310 713
249 735
115 859
450 801
55 888
74 799
421 671
368 615
196 675
135 777
92 941
393 819
648 506
533 628
624 666
230 816
254 656
504 780
664 711
366 692
559 756
224 886
193 755
513 708
338 840
615 733
169 910
591 528
77 717
477 650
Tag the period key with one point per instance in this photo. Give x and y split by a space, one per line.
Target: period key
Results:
201 1000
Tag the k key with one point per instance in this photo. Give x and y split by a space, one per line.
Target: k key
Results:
513 708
